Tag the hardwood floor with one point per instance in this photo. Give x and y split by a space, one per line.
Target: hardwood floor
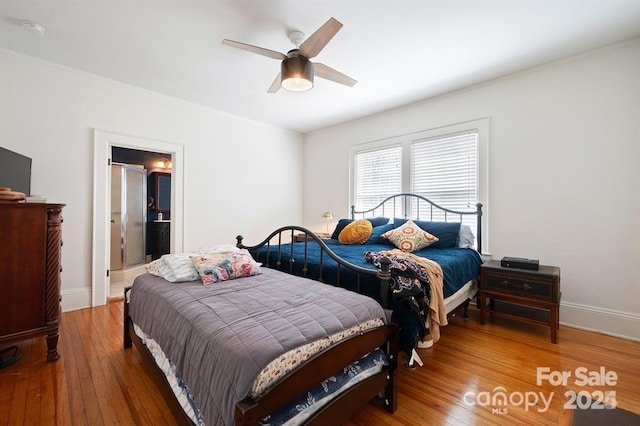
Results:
97 382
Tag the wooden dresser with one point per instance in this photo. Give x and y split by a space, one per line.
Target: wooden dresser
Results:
30 251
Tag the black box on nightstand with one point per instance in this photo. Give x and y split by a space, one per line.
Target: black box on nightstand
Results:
520 263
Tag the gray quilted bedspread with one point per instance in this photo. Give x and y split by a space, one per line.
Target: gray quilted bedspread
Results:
222 335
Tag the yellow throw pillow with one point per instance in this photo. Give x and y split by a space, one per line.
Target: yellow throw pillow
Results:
357 232
410 237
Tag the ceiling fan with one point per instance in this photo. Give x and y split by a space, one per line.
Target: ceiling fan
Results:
296 70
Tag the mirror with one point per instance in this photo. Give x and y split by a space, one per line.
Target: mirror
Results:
163 192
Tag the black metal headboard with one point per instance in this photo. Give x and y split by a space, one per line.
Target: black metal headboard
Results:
417 207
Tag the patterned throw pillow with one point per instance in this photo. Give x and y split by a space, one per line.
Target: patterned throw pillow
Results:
410 237
154 268
222 266
357 232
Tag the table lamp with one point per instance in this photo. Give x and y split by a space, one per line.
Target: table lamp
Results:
327 216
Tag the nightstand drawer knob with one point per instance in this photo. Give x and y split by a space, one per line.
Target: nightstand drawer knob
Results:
523 286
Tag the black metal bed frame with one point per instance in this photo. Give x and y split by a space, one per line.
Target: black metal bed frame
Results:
286 236
405 200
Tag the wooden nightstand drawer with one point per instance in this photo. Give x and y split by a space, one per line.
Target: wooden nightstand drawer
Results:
522 285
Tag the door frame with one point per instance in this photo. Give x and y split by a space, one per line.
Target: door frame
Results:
103 142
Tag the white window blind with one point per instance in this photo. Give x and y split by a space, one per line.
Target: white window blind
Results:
378 174
444 169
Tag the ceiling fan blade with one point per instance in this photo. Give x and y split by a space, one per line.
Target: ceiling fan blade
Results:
318 40
255 49
275 86
323 71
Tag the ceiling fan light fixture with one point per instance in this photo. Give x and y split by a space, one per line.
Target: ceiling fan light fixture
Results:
297 73
296 70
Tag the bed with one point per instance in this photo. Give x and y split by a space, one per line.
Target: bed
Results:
344 265
261 348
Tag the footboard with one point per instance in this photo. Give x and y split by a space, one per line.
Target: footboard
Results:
312 258
322 366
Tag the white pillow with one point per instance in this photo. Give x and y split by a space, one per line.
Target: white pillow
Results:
178 267
466 239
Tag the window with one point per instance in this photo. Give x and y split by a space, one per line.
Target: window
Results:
377 175
445 170
447 165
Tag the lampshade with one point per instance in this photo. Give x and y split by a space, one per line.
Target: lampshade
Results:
296 73
327 216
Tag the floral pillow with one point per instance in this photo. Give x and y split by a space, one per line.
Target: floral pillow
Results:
410 237
222 266
154 268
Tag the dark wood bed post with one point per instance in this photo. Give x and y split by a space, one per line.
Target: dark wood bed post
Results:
384 274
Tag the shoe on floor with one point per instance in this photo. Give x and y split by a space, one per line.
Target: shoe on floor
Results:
427 342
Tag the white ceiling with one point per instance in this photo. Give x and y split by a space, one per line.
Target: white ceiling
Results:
399 51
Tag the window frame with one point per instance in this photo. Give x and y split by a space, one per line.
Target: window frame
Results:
480 126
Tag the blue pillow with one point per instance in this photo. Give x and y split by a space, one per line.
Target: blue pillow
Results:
399 221
378 221
447 233
339 227
376 235
375 221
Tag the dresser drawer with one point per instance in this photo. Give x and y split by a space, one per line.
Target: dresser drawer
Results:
531 287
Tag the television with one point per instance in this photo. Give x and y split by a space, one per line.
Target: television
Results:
15 171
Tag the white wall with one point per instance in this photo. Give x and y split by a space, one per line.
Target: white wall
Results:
564 153
48 113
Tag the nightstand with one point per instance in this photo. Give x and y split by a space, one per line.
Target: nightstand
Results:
539 290
298 238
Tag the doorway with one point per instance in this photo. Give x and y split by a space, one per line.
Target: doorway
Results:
105 143
140 213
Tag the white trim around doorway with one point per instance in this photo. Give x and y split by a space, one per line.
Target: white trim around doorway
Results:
103 142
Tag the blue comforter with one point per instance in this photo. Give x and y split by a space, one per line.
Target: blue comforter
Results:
459 265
